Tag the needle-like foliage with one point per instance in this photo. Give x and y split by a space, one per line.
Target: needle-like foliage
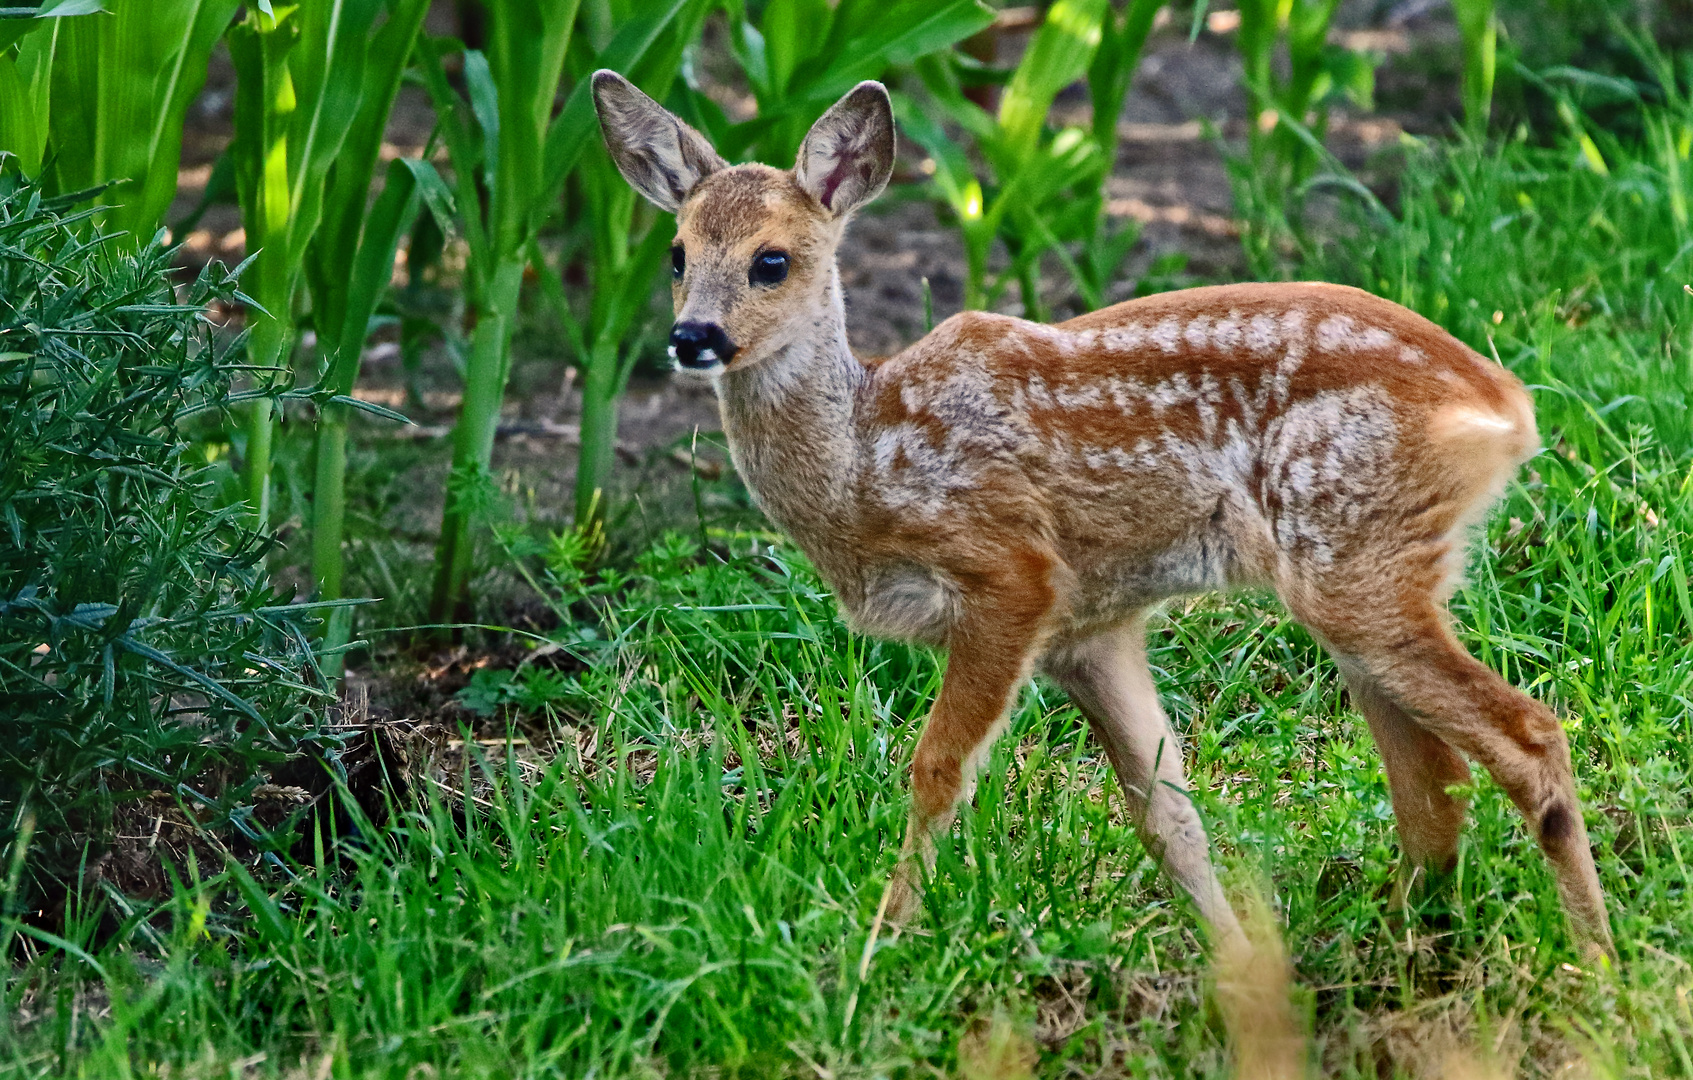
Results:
141 646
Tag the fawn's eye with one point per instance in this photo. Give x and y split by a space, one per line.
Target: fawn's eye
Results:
769 268
678 260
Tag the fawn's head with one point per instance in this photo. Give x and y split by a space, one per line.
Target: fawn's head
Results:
754 255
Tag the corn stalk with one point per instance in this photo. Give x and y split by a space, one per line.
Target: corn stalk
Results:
1044 188
1288 111
799 56
510 165
362 237
1480 30
300 80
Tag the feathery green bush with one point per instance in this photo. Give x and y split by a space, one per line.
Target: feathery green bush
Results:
142 648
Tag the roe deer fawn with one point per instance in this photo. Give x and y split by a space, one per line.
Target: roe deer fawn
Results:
1025 494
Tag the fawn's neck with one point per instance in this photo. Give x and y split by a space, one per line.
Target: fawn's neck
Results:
789 420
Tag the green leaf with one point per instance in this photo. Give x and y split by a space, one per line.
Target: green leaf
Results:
437 196
576 124
1058 56
266 913
485 104
873 38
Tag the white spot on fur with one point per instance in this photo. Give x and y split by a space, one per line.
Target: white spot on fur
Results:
1126 394
1341 334
1410 354
1174 391
1039 396
1198 333
1292 333
1089 396
1262 334
911 473
1167 334
1330 459
1125 338
1206 401
1227 333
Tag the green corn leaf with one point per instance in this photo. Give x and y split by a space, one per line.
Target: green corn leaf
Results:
347 186
1059 55
788 26
1114 66
327 71
437 196
871 38
390 218
121 86
575 124
952 166
485 105
25 86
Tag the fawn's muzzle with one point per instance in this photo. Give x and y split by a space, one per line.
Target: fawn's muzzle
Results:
700 345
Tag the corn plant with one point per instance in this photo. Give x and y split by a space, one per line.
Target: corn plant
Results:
1288 109
101 99
510 160
301 77
361 237
1045 189
1479 27
799 56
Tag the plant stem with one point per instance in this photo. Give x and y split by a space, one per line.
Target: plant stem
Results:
329 508
473 440
599 429
1480 30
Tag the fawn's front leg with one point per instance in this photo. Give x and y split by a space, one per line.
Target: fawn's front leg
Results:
1107 678
991 650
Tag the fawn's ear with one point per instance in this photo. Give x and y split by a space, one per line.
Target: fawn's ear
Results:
848 154
660 156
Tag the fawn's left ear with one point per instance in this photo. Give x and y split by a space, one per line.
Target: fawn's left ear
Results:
660 156
848 154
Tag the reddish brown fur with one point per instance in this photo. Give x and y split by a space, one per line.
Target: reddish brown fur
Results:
1025 494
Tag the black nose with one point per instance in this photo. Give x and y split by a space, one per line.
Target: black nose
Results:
700 345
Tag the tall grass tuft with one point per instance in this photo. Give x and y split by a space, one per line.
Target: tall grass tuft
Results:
142 648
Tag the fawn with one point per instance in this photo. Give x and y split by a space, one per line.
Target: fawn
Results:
1024 495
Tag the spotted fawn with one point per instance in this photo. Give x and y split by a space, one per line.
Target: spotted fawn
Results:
1024 495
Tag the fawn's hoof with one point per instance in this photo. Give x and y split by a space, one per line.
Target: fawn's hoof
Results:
905 901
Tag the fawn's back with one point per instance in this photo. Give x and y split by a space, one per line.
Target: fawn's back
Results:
1204 439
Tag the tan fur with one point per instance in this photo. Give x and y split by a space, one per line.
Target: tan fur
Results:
1024 494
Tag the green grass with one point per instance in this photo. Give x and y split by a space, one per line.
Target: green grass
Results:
687 880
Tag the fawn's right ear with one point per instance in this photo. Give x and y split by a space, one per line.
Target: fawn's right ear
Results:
660 156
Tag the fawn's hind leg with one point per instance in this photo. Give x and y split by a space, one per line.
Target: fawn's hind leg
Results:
1403 643
1421 766
1107 678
